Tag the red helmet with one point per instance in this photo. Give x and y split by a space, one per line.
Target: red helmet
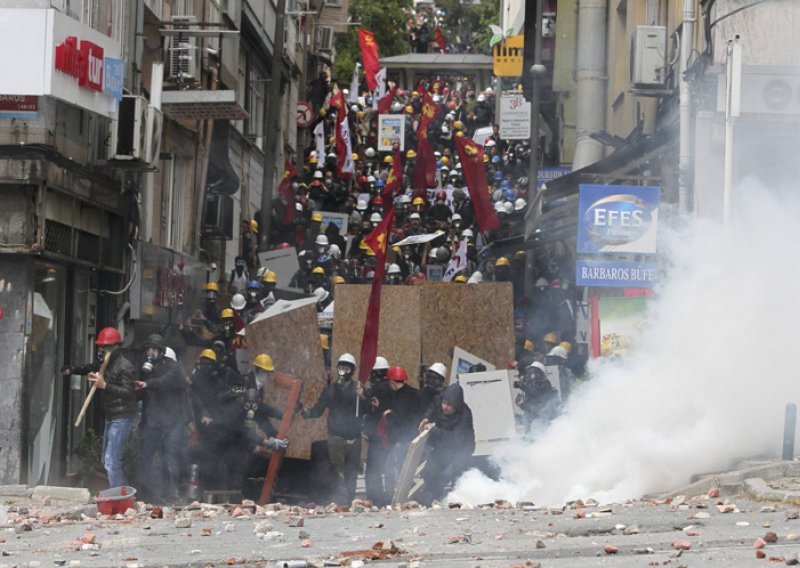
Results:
397 374
361 179
421 276
108 336
441 195
283 246
378 200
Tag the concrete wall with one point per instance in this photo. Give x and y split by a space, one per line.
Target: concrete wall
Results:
14 286
769 33
564 85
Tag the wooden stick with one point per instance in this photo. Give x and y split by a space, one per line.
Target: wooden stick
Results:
90 396
293 386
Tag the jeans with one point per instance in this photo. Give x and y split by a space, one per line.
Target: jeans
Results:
117 433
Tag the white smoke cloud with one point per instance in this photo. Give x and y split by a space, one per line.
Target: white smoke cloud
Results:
707 384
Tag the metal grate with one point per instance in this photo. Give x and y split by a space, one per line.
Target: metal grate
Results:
57 237
88 247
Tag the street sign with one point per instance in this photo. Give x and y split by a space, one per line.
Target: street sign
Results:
515 117
305 114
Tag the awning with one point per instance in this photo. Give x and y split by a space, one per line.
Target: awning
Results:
202 105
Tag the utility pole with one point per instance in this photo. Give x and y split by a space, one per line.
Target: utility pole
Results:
537 73
272 140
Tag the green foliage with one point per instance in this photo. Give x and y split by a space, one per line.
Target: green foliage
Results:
464 22
385 19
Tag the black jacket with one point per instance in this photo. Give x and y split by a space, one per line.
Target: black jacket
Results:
164 397
119 399
453 435
341 405
403 419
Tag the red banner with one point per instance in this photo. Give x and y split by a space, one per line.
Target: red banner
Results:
285 190
438 37
377 240
472 168
344 149
369 55
393 183
385 102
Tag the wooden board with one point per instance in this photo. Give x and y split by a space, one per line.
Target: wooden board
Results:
488 396
292 388
406 481
291 338
399 332
477 318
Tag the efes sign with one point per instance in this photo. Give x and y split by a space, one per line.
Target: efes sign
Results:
618 219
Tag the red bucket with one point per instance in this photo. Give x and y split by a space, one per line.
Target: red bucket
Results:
116 500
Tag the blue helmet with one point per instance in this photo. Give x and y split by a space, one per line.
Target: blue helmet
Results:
379 183
438 165
498 176
505 184
253 285
509 194
496 159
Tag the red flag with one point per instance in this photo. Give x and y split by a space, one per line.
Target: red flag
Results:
438 37
393 183
369 54
344 150
377 240
385 102
425 165
471 155
285 190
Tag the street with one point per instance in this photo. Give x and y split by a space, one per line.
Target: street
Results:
681 531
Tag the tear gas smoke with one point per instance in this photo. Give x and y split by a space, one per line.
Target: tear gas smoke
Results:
707 383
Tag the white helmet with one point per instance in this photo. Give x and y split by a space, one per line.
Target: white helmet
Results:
488 91
298 206
354 108
405 198
361 205
393 269
238 302
538 365
508 206
170 354
558 351
335 251
371 179
414 216
318 174
481 98
476 278
370 152
321 240
467 233
455 217
499 207
321 294
347 358
381 364
439 369
375 218
445 130
519 204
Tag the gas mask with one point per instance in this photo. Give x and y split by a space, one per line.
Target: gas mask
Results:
378 376
432 382
240 266
102 350
262 377
250 404
322 250
211 297
328 182
252 296
344 373
151 357
457 226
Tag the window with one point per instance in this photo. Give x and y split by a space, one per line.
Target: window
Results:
333 2
256 90
325 38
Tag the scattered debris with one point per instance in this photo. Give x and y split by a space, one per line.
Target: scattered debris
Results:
610 549
681 545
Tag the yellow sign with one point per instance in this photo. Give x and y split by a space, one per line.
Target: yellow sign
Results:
508 57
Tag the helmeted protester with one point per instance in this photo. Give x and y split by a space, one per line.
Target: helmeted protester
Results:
538 400
401 423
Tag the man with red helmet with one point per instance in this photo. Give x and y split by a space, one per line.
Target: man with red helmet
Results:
439 213
119 402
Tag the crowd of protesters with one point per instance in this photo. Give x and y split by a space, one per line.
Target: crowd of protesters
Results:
216 416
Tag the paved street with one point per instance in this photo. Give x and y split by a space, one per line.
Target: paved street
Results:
717 532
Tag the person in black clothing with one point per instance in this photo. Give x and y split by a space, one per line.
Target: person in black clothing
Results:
451 441
164 387
344 400
401 422
439 212
379 396
431 386
539 400
463 207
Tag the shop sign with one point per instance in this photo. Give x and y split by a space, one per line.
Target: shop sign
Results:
615 274
618 219
83 61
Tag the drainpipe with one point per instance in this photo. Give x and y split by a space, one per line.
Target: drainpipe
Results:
685 108
591 81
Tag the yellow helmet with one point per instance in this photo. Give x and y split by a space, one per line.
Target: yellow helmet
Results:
458 125
254 225
331 140
324 340
485 158
411 154
461 279
519 254
551 337
316 216
318 270
566 345
263 361
388 160
211 287
226 313
269 277
322 112
396 248
312 160
409 109
528 346
208 354
355 157
502 261
459 134
418 201
445 161
414 93
337 280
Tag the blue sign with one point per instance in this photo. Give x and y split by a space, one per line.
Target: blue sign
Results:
113 77
618 219
615 274
545 175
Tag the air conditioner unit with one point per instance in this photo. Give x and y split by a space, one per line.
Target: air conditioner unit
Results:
128 134
184 59
218 216
649 57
